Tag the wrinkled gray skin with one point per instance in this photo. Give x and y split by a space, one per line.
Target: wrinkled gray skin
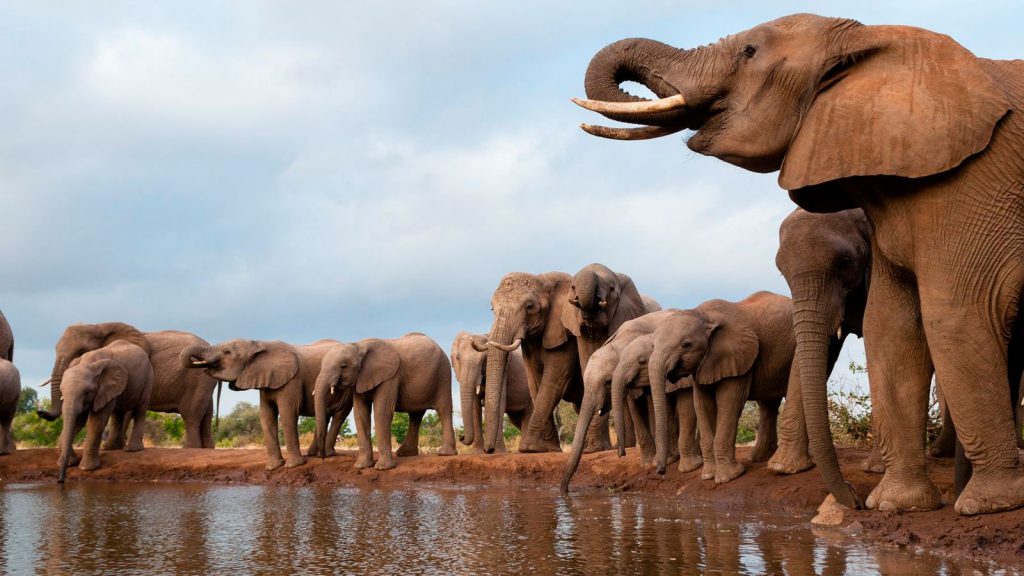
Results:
286 376
598 380
410 374
469 359
115 379
10 389
176 390
6 339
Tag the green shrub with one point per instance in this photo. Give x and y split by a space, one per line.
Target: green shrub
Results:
399 426
240 428
163 429
746 428
509 431
27 400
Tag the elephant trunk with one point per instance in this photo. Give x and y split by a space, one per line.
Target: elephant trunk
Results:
586 290
814 329
657 370
188 356
497 360
618 409
470 403
593 398
321 396
67 439
55 398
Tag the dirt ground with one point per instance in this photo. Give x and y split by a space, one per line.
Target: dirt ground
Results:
995 537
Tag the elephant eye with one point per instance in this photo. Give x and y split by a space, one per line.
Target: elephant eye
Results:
687 344
749 51
227 352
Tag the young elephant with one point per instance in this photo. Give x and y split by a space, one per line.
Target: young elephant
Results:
286 376
409 374
115 379
10 389
737 352
469 359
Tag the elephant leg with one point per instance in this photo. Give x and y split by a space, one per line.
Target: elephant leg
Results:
598 435
93 435
205 429
289 411
689 454
115 433
443 407
874 463
478 422
384 398
945 444
705 406
900 366
411 444
637 408
553 384
792 455
268 421
337 421
138 429
193 433
971 371
767 440
630 440
730 396
6 441
361 408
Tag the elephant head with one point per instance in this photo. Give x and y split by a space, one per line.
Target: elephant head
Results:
469 360
826 259
86 387
352 367
791 94
245 364
79 339
526 307
601 301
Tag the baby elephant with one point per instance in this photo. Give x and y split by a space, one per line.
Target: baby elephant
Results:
116 379
469 358
10 389
409 374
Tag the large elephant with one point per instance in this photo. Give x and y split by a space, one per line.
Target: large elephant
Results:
469 359
286 376
114 379
560 321
10 390
6 339
175 389
929 140
410 374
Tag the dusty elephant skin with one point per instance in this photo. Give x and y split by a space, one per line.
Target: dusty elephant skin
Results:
939 174
410 374
285 375
116 379
175 389
10 389
6 340
469 360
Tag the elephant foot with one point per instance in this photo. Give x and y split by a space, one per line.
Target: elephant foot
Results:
295 462
88 464
592 447
530 447
451 451
762 452
133 447
274 464
917 495
364 461
690 463
73 459
330 452
728 472
708 472
478 449
784 463
404 450
989 492
873 463
383 464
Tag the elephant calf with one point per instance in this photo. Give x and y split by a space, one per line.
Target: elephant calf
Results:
469 358
409 374
115 379
10 389
286 376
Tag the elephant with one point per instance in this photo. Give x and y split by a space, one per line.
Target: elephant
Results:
735 351
10 390
599 378
114 379
928 140
6 340
559 321
285 375
469 359
175 389
409 374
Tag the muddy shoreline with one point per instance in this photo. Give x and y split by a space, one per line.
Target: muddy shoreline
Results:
997 538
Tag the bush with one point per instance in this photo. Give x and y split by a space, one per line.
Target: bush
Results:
27 400
240 428
746 428
31 431
163 429
399 426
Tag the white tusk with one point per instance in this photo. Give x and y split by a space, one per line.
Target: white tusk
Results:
643 107
505 347
645 133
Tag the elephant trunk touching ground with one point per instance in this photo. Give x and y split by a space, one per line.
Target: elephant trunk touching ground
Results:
592 401
500 345
816 320
469 396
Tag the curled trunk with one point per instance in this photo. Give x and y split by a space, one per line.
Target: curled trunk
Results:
186 354
497 362
586 290
592 400
638 60
55 399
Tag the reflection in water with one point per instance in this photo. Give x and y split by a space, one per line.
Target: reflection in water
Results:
97 528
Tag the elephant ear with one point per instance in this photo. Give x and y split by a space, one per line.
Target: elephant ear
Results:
631 304
272 365
559 285
897 101
732 343
380 364
111 382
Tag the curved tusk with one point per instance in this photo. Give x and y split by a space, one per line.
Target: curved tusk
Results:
643 107
506 347
645 133
47 383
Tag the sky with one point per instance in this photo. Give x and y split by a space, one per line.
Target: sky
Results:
297 171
